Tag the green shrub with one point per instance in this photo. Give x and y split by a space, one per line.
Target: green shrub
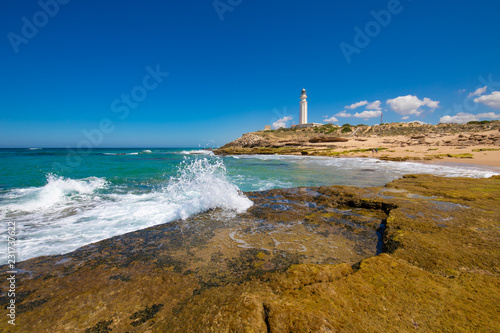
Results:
482 122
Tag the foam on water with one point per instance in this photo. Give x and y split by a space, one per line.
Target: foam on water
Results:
401 168
260 184
196 152
65 214
120 154
57 192
202 183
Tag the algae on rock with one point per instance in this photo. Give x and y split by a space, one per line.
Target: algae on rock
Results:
306 259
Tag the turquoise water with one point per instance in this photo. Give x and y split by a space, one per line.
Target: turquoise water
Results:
24 167
60 200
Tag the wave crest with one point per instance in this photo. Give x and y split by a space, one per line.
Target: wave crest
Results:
66 214
57 191
201 184
196 152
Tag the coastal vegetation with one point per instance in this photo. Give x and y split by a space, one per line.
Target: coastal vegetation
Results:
391 129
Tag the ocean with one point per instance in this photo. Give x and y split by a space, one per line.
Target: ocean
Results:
60 200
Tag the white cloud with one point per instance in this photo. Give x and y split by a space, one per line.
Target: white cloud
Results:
490 115
364 115
462 117
281 122
373 105
332 119
492 100
369 106
430 103
343 114
459 118
405 117
410 105
478 91
356 105
367 114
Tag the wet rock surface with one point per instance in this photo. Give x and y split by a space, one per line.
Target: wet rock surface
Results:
419 253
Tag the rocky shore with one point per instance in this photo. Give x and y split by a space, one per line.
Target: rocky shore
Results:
420 253
476 142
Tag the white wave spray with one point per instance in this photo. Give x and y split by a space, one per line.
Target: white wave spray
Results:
56 193
66 214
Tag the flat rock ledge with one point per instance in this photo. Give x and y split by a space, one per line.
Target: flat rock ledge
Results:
420 254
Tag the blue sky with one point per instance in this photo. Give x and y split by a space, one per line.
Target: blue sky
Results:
93 73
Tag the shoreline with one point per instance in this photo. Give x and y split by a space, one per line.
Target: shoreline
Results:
492 163
469 163
467 144
475 155
466 156
325 246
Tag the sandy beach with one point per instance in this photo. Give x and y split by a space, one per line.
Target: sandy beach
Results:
392 149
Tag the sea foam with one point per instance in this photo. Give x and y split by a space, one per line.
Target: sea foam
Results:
67 213
196 152
57 191
202 184
399 168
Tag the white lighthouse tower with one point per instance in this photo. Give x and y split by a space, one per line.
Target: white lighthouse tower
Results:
303 108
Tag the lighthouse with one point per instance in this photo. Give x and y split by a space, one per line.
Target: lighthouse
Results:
303 108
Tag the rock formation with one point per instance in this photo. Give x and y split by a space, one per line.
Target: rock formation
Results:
327 259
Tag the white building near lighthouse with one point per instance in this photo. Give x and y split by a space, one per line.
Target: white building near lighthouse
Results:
303 108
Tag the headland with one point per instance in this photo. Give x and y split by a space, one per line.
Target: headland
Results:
475 142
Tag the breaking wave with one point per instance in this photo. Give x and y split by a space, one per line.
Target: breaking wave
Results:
196 152
66 214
